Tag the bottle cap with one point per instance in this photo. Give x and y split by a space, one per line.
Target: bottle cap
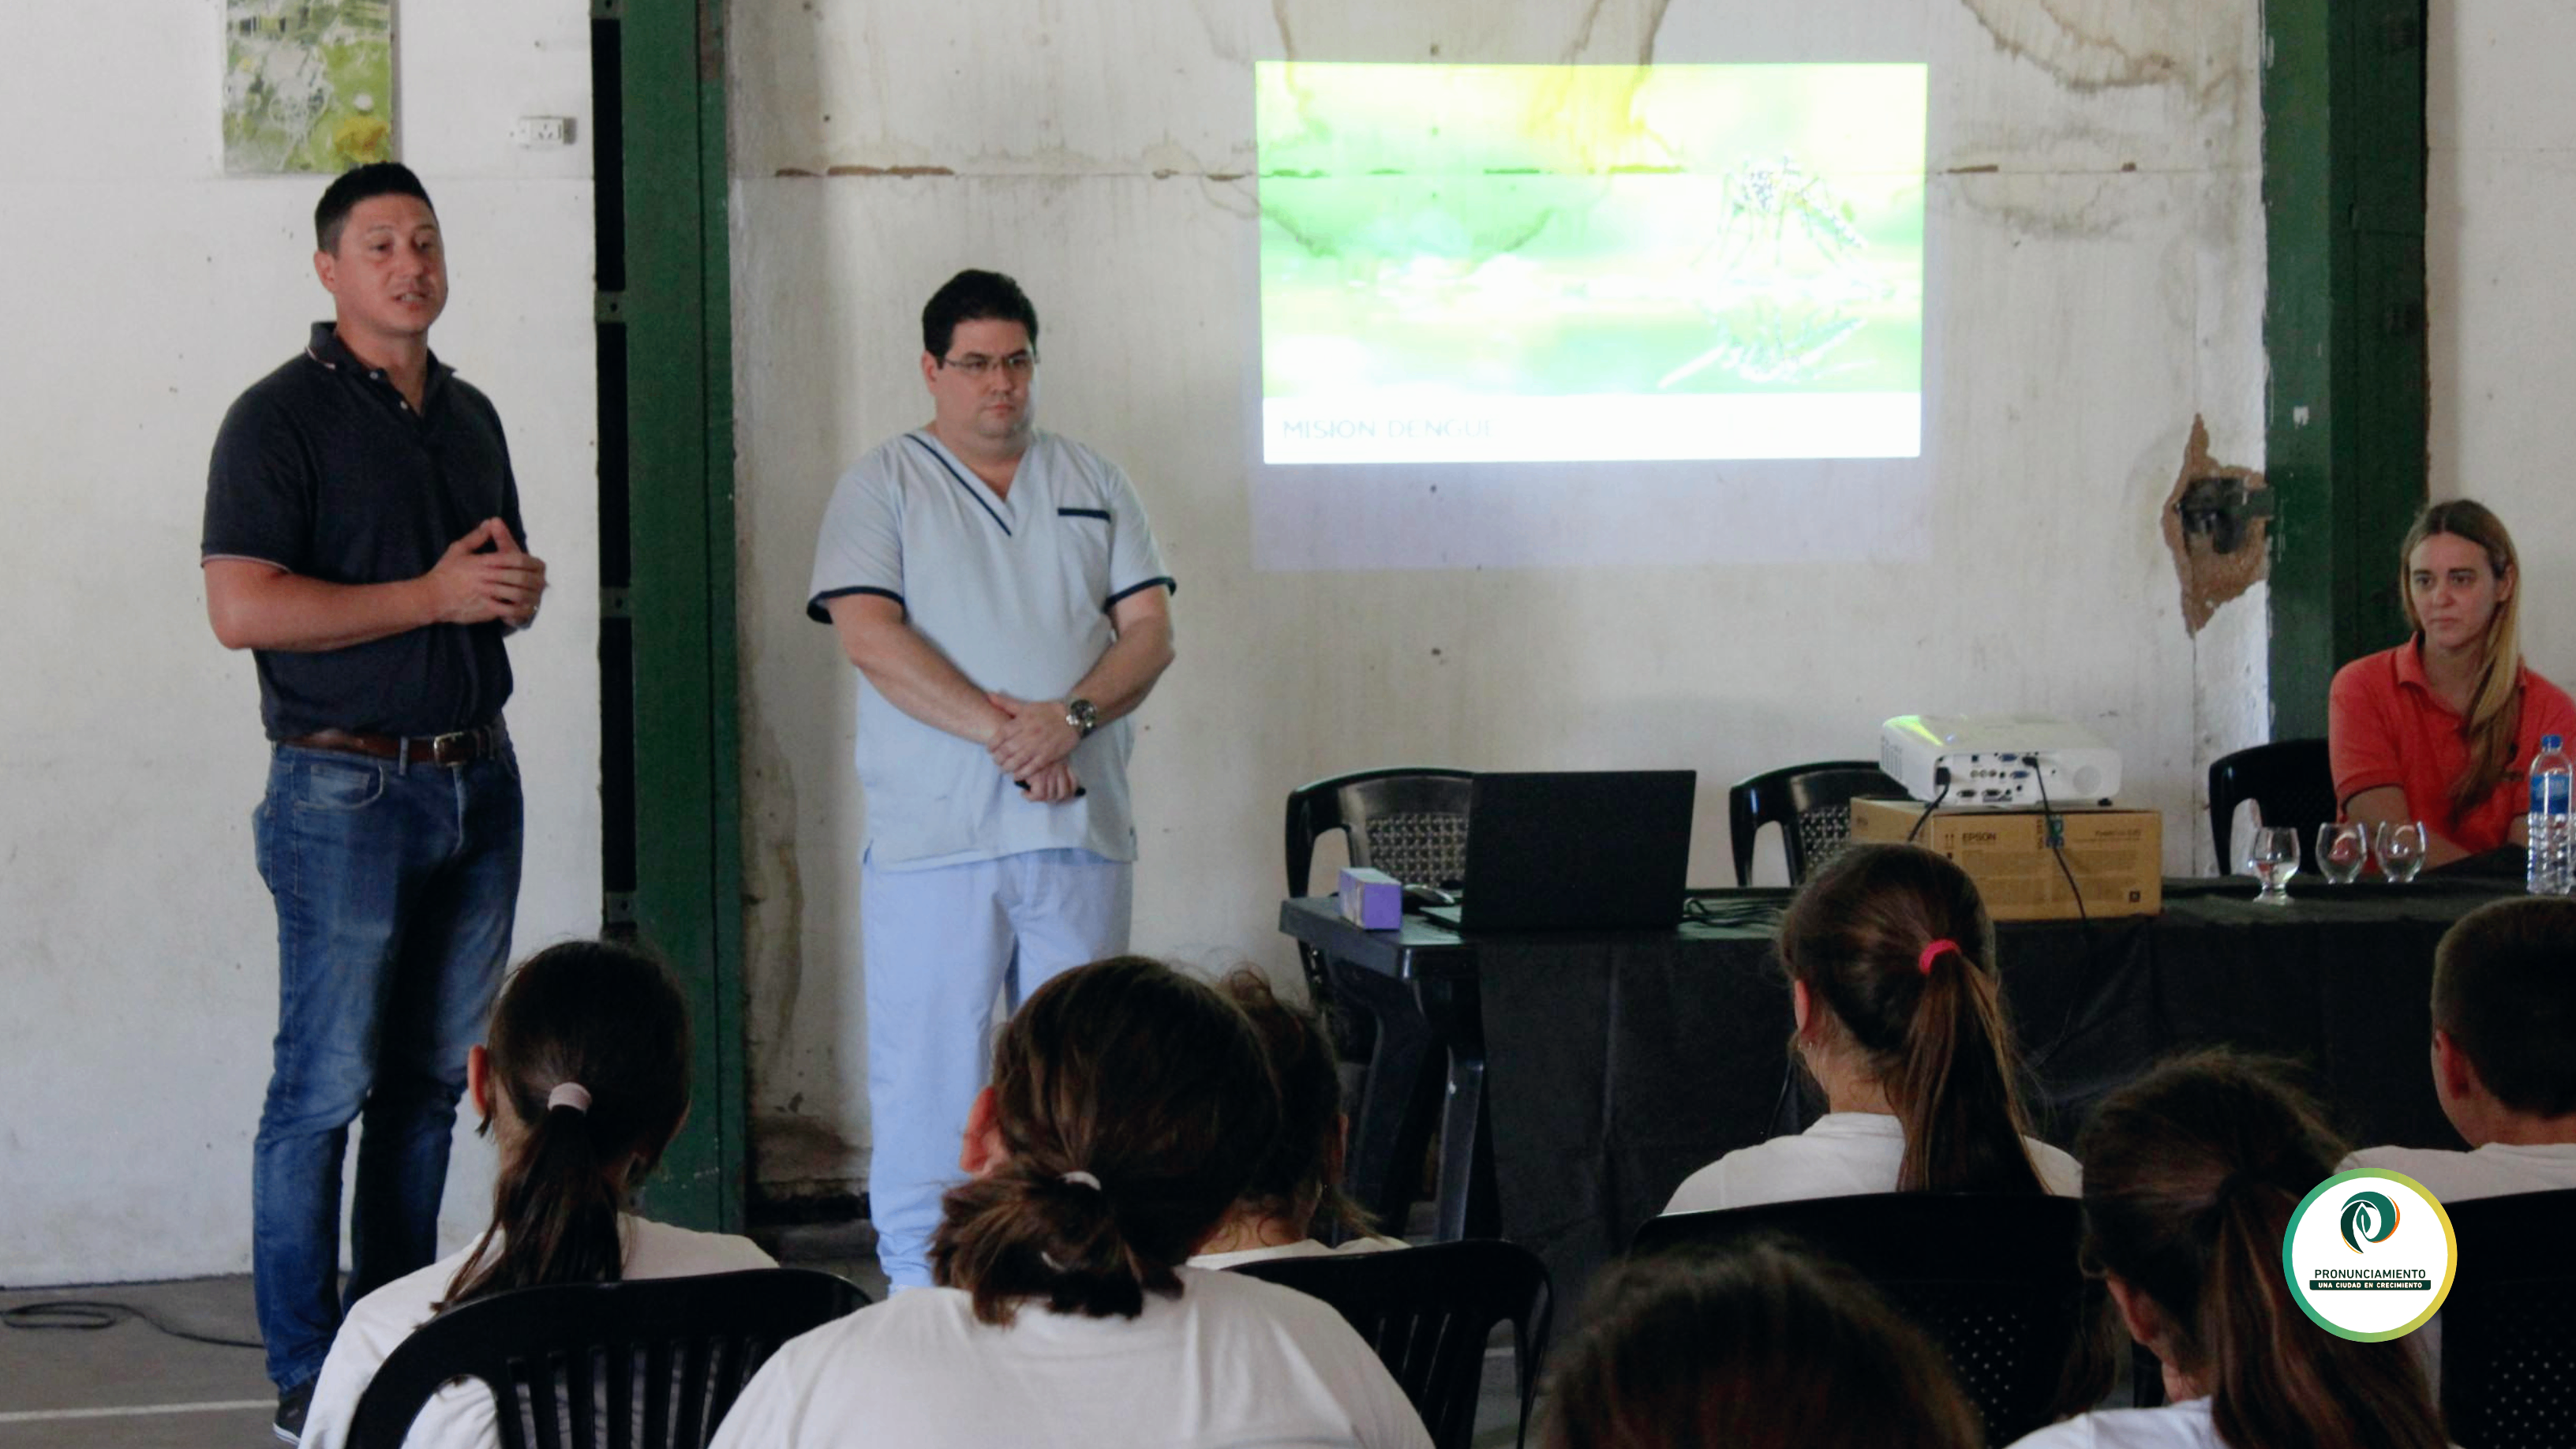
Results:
2551 742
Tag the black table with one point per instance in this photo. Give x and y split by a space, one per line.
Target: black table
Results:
1620 1062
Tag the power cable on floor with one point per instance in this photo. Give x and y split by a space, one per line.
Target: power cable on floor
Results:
82 1315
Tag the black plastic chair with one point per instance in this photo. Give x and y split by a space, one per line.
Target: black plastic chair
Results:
1428 1311
1994 1279
1810 803
1409 821
2508 1344
2290 781
651 1364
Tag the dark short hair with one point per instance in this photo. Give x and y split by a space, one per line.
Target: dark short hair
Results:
2504 987
1762 1347
376 178
973 296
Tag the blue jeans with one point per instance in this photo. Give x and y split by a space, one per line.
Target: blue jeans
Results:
395 885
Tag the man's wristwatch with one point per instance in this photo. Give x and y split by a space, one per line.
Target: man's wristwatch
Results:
1080 714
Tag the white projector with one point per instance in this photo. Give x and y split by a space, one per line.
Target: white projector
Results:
2001 760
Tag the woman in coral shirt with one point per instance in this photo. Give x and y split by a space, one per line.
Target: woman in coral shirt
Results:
2441 728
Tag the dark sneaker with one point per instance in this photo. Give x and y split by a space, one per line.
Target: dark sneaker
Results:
291 1404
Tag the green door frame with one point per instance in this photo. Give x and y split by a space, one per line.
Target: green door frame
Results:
669 685
2343 331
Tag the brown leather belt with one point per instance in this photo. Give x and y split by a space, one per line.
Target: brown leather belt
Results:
463 747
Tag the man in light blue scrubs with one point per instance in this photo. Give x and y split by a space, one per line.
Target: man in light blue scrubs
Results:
1007 609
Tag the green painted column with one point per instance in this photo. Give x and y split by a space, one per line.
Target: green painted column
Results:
669 715
2343 329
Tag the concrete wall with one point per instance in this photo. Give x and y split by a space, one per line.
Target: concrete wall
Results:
2094 278
143 290
2501 202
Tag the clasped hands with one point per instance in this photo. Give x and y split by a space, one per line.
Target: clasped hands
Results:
1034 746
485 576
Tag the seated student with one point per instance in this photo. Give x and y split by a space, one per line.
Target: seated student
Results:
1762 1348
1128 1108
585 1081
2442 728
1297 1189
2504 1054
2504 1064
1892 980
2190 1176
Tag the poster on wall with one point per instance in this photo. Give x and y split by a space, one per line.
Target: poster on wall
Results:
308 84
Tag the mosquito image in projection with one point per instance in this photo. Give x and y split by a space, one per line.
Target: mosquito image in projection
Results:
1780 284
1777 206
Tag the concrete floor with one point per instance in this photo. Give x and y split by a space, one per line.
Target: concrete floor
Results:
133 1387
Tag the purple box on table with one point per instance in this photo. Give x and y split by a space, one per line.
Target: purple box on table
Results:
1371 899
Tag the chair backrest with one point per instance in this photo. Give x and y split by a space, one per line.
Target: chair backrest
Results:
651 1364
2508 1343
1994 1279
2290 781
1428 1311
1810 803
1409 821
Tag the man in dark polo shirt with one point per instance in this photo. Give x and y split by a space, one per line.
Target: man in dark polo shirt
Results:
362 540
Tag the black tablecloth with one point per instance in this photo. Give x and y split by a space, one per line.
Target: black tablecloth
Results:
1618 1066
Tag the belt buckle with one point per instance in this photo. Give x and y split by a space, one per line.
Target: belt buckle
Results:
456 748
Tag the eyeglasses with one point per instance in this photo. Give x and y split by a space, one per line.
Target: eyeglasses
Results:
976 365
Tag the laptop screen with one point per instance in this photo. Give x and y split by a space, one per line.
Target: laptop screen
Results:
1579 850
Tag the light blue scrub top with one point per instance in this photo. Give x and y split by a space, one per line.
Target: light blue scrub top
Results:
1016 592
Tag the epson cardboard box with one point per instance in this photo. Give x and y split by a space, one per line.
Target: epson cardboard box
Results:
2117 856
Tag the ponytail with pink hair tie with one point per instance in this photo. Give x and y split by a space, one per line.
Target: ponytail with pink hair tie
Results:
1932 953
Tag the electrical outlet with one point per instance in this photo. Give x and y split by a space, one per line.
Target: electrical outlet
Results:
535 132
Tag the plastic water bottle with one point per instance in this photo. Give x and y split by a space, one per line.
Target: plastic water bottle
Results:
2550 872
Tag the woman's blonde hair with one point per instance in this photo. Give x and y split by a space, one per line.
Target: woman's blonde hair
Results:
2489 727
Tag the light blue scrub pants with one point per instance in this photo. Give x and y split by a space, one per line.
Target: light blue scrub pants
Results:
942 944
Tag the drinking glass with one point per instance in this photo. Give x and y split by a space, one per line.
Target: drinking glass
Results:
2401 849
2274 858
2343 848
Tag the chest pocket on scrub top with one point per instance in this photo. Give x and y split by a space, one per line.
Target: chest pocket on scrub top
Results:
1083 534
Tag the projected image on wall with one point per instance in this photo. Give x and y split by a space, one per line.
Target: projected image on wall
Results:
1560 263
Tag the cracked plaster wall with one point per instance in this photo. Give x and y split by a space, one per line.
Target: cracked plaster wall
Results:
145 289
2095 274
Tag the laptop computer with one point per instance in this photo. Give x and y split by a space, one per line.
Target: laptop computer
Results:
1586 850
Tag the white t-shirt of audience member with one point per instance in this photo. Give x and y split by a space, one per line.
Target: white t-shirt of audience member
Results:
459 1416
1302 1248
2498 1169
1843 1155
1232 1361
2186 1425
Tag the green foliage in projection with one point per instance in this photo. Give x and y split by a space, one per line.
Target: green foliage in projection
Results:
1570 230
